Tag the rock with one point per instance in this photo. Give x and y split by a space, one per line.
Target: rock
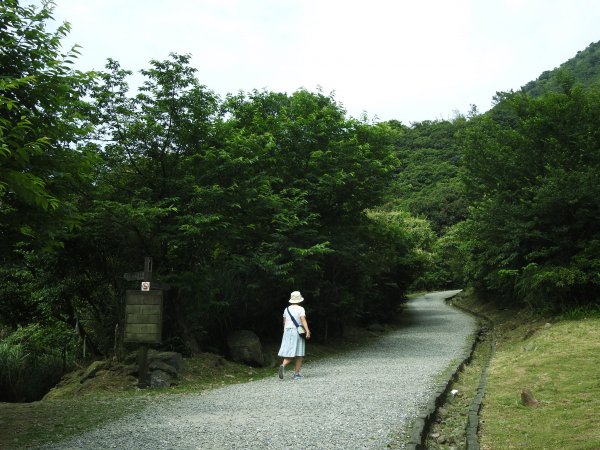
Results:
219 362
173 359
244 346
160 379
164 367
548 325
530 347
130 370
93 370
376 327
528 399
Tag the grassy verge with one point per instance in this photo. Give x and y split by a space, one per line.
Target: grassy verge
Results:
80 407
558 361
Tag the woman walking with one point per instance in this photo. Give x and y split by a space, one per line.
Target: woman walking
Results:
293 344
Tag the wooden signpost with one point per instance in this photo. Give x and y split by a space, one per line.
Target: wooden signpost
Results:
143 311
143 316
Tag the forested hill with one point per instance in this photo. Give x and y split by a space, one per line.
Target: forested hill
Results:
583 68
510 193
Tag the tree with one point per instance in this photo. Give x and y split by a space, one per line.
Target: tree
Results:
40 118
427 183
43 176
532 230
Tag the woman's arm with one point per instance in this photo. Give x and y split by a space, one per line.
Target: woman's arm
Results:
305 325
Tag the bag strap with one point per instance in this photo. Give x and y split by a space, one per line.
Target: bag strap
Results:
292 317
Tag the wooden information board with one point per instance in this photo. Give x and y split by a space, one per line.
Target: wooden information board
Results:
143 316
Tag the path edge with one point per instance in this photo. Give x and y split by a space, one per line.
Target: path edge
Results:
425 418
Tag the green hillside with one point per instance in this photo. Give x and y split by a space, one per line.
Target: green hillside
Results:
583 68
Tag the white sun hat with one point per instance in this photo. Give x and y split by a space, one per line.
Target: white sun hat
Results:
295 297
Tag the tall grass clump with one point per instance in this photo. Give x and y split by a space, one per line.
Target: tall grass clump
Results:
33 359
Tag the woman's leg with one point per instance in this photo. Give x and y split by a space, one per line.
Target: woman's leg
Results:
298 364
284 363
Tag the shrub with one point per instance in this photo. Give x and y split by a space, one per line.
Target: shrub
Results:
33 359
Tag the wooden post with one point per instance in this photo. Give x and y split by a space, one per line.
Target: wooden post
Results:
143 366
147 268
116 347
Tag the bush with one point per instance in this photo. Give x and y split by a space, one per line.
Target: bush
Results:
33 359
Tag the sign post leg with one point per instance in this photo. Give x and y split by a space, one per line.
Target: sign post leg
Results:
143 367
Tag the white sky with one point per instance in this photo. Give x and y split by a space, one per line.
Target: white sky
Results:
391 59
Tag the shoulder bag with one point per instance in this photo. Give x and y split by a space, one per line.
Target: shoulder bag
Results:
300 328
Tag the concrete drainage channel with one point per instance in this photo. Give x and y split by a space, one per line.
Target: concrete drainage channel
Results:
423 422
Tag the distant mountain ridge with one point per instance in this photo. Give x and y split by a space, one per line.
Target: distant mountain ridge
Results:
583 68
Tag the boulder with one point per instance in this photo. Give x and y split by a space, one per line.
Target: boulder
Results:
164 368
93 370
173 359
244 346
160 379
376 328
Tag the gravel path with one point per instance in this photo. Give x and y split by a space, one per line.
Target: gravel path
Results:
364 399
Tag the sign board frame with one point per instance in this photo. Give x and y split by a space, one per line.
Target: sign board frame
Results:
143 316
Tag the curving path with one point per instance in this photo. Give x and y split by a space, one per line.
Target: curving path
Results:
364 399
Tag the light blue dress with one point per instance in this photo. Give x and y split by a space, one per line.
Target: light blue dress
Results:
291 343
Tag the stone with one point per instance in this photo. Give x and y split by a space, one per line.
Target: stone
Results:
130 370
376 328
245 347
528 399
173 359
160 379
163 366
93 370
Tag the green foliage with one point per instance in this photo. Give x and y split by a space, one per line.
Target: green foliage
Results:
238 201
427 183
33 359
583 69
449 254
533 232
581 313
405 245
40 115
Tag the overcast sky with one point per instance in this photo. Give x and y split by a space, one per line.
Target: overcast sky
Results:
391 59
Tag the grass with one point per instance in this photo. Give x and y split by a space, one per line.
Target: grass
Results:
560 366
558 361
75 407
